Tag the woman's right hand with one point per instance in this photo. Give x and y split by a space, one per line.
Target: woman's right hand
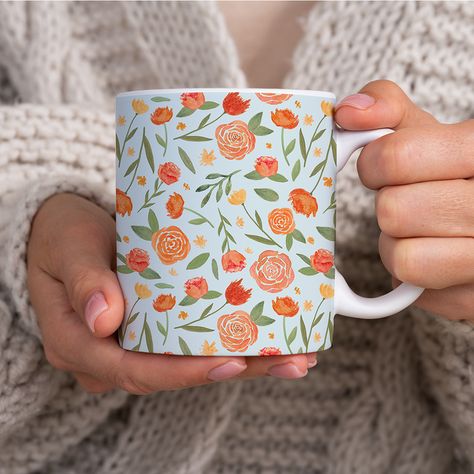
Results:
79 305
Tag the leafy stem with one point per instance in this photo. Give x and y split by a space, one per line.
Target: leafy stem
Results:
283 146
155 194
167 327
124 331
313 138
327 331
286 336
313 323
199 128
141 334
166 140
120 154
201 318
219 185
200 215
325 162
223 227
260 227
138 162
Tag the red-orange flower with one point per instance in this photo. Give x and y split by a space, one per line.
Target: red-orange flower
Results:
170 244
175 205
233 104
281 221
269 351
272 271
237 331
285 306
161 115
322 260
196 287
235 140
169 173
164 303
266 166
272 98
236 294
303 202
233 261
284 118
123 204
137 260
192 100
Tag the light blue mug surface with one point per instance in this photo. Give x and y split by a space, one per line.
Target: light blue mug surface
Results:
226 221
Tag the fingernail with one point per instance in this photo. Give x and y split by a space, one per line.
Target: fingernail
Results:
312 360
286 371
226 371
94 308
358 101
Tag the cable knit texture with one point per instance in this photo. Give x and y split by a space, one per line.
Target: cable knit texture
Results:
394 396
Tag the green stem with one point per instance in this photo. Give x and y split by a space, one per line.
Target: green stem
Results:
166 141
312 140
225 229
200 215
255 222
124 332
141 334
327 331
167 327
312 323
198 129
138 164
324 166
125 140
151 197
201 319
286 337
283 145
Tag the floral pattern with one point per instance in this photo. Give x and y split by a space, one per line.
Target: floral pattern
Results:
225 210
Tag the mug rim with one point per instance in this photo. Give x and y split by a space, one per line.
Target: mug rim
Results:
307 92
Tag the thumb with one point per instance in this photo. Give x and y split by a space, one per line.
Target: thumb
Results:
380 104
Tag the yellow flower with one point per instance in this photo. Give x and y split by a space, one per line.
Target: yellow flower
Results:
238 197
208 349
141 180
173 272
132 336
200 241
327 291
126 239
207 157
317 152
142 291
271 335
308 305
327 182
139 106
121 120
308 119
239 221
326 107
298 103
248 250
130 151
317 337
297 290
268 145
310 240
182 315
180 126
186 186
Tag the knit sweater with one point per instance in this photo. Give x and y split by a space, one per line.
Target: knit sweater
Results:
392 396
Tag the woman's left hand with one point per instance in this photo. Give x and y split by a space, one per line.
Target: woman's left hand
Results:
425 201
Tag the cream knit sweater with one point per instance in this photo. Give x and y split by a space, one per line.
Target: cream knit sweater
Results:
393 396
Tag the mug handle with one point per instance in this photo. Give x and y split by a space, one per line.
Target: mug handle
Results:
346 302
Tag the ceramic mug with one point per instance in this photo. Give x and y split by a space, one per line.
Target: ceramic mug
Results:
226 222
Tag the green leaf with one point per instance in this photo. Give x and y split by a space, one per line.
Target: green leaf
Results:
258 219
131 168
228 187
148 338
184 112
209 104
289 241
319 134
187 301
257 310
196 138
279 178
144 232
262 240
160 99
263 321
300 350
153 221
204 121
330 273
124 269
317 168
164 285
184 347
206 198
290 147
327 232
117 236
308 271
206 311
149 153
304 258
304 336
135 348
296 170
292 335
215 176
186 160
197 329
297 235
261 131
161 328
255 121
121 258
316 321
253 175
334 149
198 261
117 147
302 145
160 140
150 274
203 187
215 269
131 134
210 295
132 318
330 329
197 221
220 192
267 194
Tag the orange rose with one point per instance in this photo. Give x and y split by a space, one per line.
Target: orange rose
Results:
285 306
175 206
164 303
233 104
196 287
170 244
235 140
123 204
137 260
266 166
303 202
322 260
169 173
237 331
233 261
284 118
236 294
272 98
161 115
281 221
269 351
272 271
192 100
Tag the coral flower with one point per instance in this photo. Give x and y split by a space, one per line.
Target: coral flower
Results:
169 173
327 108
170 244
285 306
233 104
327 291
233 261
266 166
272 271
303 202
175 206
284 118
272 98
322 260
142 291
236 294
269 351
238 197
164 303
237 331
123 203
192 100
139 106
161 115
281 221
235 140
137 260
196 287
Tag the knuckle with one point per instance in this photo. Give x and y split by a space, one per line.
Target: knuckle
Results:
393 158
406 265
386 85
54 359
130 385
388 211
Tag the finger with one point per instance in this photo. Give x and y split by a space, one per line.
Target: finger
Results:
429 262
91 384
282 366
433 209
380 104
437 152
